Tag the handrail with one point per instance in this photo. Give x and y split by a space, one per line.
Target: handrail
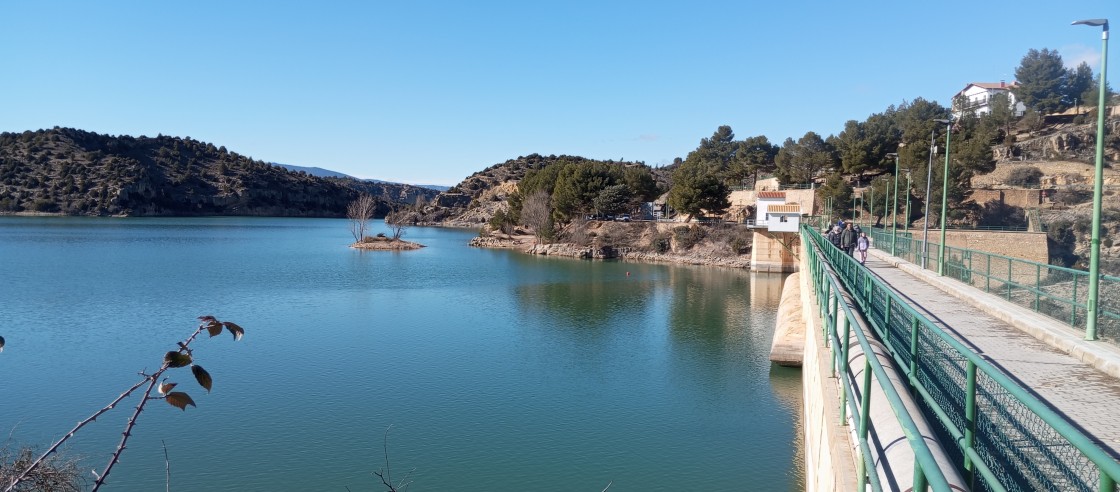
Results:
831 297
1003 434
1058 292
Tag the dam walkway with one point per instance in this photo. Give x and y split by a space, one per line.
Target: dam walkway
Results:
1018 399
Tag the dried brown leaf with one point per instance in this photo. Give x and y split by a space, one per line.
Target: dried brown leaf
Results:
176 359
165 388
180 400
235 330
202 377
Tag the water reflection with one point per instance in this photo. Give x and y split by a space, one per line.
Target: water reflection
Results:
589 304
532 373
707 304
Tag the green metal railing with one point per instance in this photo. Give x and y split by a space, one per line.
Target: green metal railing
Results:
1055 291
1005 438
840 323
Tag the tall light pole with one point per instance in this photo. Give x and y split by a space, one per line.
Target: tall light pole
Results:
906 219
1098 178
872 206
925 216
894 208
944 197
886 203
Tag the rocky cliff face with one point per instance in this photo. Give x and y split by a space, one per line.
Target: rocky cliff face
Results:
1061 142
76 172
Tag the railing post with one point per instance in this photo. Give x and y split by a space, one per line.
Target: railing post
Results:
831 314
913 376
1008 279
988 274
969 415
920 482
844 344
1073 305
1107 484
970 270
1037 285
887 319
864 416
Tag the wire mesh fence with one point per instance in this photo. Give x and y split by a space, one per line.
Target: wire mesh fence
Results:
1058 292
1005 438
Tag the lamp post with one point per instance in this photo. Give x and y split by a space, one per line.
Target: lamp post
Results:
861 214
894 208
906 219
871 212
944 197
925 216
886 203
1098 177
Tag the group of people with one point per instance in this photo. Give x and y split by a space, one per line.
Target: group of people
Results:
850 238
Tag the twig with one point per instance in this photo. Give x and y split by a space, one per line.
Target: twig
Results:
54 447
386 475
167 463
184 347
151 379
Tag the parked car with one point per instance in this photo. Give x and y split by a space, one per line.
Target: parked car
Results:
623 218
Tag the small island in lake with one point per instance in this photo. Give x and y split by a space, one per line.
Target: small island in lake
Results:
382 242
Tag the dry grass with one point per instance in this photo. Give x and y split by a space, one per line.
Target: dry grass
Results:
55 474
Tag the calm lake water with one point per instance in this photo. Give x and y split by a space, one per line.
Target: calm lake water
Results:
495 370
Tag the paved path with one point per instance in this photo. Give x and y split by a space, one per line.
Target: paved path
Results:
1086 396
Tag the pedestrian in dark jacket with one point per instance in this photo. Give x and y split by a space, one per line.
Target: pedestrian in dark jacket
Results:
848 239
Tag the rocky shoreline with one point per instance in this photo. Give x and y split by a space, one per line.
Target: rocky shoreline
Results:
527 244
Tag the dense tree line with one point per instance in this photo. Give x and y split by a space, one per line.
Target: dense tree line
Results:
584 187
1046 86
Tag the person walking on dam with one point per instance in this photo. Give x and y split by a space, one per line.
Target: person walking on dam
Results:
862 245
848 239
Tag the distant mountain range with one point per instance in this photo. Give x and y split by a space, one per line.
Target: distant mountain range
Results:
327 173
76 172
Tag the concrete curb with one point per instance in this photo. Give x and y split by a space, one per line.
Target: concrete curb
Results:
1099 355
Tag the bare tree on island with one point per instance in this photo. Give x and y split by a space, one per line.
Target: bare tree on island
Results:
537 214
400 220
360 212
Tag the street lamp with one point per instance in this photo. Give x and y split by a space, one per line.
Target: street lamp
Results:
944 197
894 208
925 214
886 203
871 211
1098 178
906 219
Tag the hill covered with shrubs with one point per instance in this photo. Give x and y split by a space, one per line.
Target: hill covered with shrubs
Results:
76 172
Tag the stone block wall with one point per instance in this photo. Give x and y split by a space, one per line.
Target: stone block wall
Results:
1024 198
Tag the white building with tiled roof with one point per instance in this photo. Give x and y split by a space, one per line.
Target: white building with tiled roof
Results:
977 97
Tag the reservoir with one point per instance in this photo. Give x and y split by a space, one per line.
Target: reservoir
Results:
486 369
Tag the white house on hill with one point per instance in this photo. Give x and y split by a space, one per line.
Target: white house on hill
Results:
977 97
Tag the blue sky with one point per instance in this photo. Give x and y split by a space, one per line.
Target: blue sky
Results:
430 92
